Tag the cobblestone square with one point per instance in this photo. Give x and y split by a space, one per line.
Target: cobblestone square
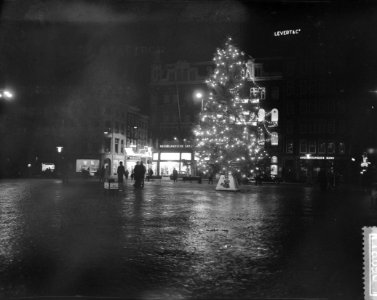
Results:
181 241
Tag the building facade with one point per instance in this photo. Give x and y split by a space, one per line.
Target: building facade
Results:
314 121
125 137
175 109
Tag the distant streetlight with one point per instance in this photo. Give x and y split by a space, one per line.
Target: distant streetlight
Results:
59 149
106 132
199 95
6 94
59 167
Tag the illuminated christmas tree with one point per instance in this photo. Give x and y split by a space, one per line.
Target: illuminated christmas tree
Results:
233 126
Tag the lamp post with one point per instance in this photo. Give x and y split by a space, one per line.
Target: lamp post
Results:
112 146
59 168
199 96
179 110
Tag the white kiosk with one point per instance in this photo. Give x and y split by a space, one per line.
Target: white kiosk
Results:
227 183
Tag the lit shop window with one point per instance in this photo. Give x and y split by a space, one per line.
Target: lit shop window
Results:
169 156
186 156
155 156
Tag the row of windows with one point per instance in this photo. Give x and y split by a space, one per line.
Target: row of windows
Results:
174 118
119 127
136 133
319 126
314 106
314 147
174 130
307 87
119 144
118 148
306 67
133 132
172 99
134 120
188 74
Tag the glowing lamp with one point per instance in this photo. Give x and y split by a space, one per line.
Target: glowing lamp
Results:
59 149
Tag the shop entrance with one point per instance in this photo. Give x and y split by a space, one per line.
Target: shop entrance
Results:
166 167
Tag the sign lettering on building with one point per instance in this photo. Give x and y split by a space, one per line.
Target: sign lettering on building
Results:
175 146
287 32
317 157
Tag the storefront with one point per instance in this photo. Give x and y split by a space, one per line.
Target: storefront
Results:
90 166
311 165
175 156
134 155
113 161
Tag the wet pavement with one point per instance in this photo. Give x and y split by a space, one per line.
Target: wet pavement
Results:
181 241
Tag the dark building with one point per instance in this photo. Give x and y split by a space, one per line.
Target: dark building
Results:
314 123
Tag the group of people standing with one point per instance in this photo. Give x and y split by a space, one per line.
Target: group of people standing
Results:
138 173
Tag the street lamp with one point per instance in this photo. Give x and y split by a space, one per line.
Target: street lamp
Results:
59 166
6 94
59 149
199 95
112 146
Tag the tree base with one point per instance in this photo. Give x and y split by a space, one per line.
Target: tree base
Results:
227 184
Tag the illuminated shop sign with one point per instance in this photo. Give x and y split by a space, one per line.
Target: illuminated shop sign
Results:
317 157
169 156
175 146
287 32
49 166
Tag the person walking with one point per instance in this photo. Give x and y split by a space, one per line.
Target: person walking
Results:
150 174
175 175
137 175
143 170
121 172
210 178
102 174
126 174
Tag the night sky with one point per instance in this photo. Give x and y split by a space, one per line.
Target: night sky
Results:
56 48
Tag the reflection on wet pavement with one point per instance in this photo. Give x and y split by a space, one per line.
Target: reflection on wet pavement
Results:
178 240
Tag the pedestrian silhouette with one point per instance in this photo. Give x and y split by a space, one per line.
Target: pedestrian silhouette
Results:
121 172
138 173
175 175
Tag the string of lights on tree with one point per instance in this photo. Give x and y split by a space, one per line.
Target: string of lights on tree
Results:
233 126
